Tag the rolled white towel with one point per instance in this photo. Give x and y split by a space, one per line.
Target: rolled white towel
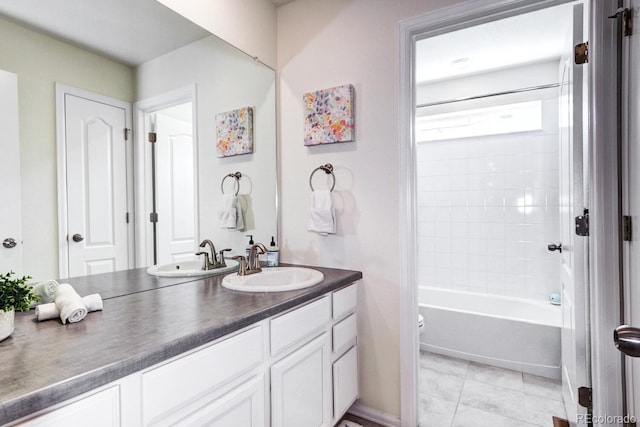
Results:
69 304
93 302
49 311
46 290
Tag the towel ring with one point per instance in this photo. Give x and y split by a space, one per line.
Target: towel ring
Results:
237 177
328 169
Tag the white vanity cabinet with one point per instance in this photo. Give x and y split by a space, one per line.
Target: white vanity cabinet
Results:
317 381
299 368
345 350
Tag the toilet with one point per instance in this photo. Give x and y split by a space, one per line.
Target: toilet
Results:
420 324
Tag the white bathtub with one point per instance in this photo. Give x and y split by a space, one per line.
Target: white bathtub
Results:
510 333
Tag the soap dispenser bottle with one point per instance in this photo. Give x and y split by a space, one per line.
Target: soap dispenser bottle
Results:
273 254
251 243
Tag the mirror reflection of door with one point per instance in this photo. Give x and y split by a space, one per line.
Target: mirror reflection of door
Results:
94 175
175 237
10 207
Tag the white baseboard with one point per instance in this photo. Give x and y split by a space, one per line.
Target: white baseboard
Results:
374 415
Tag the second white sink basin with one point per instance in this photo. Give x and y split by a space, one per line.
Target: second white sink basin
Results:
274 279
191 268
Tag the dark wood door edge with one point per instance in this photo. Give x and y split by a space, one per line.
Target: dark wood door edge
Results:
559 422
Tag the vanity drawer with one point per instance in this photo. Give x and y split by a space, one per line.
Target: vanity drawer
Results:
199 373
297 325
345 333
345 301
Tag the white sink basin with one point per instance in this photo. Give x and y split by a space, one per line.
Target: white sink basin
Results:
190 269
274 279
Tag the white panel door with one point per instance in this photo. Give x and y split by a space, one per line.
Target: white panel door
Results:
175 187
96 186
632 195
572 204
10 206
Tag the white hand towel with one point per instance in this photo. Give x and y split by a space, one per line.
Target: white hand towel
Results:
46 290
69 304
49 311
230 214
322 218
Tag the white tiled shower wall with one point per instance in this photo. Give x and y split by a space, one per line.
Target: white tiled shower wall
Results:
487 209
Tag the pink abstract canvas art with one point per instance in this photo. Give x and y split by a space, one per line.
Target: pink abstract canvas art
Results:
234 132
328 115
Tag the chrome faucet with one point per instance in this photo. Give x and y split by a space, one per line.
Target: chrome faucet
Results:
210 260
251 264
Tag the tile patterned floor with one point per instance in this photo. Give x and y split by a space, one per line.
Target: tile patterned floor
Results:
458 393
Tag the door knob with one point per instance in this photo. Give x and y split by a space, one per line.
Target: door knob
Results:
77 237
9 243
627 340
553 247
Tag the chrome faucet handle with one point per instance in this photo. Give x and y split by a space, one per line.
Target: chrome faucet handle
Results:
206 263
242 269
221 263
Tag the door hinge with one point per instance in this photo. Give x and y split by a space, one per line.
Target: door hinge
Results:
582 224
126 217
627 20
627 228
153 137
153 217
581 53
127 131
585 397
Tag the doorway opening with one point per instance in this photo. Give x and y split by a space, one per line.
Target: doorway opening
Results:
167 206
488 170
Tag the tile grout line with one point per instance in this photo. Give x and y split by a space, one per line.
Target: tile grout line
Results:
464 381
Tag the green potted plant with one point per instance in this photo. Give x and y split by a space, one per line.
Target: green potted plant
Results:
15 295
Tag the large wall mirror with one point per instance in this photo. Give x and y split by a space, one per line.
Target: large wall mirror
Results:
176 78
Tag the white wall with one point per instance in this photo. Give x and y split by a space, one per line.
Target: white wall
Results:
40 62
323 44
250 25
225 79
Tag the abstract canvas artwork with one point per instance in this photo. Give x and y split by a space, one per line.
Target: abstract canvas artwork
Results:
328 115
234 132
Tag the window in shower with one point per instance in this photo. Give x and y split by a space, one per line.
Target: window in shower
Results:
495 120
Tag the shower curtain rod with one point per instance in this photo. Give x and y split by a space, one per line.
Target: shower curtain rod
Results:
470 98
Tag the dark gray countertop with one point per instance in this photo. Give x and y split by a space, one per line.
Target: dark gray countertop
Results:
146 320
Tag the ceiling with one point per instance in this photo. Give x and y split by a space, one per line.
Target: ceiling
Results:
528 38
129 31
